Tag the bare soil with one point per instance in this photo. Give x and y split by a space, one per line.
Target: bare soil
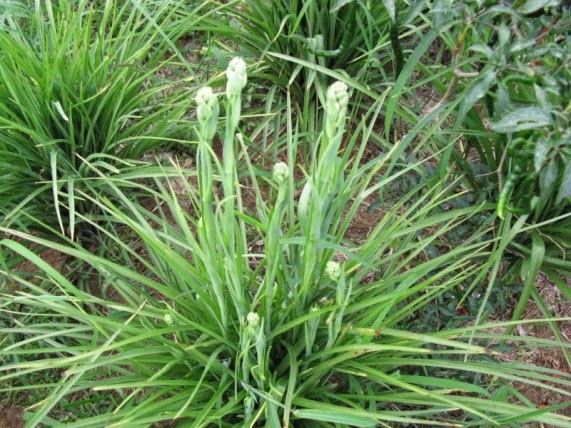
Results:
11 416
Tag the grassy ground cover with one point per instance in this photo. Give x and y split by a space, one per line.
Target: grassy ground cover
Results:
255 213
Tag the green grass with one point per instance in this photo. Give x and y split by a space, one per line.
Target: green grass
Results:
348 37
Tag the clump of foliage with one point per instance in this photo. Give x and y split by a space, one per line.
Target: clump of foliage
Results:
296 44
236 292
76 92
512 64
265 314
524 80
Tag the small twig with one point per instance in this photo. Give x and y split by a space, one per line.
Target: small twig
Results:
469 74
453 84
447 94
500 168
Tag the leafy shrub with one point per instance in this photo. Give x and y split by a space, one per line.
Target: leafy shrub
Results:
521 57
266 314
527 74
512 64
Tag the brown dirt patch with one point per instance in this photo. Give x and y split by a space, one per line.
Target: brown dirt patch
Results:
53 257
11 416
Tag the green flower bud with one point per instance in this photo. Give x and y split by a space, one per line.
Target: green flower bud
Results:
249 405
253 328
207 112
170 319
337 97
206 101
237 77
253 319
280 172
333 270
336 107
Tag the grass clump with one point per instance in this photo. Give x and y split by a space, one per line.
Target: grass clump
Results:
77 92
292 42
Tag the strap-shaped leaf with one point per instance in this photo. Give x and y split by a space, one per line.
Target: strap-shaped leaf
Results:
339 4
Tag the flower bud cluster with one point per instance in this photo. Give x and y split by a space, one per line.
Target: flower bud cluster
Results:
207 112
253 319
170 319
207 102
237 77
333 270
253 325
336 108
280 172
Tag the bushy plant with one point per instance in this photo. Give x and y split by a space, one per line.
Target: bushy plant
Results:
295 41
508 92
76 92
266 314
524 81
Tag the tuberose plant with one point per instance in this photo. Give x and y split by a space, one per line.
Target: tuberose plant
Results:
270 315
292 42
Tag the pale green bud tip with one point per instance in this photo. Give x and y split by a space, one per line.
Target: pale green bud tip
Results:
338 95
280 172
206 102
253 319
237 77
336 108
170 319
249 404
333 269
205 95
